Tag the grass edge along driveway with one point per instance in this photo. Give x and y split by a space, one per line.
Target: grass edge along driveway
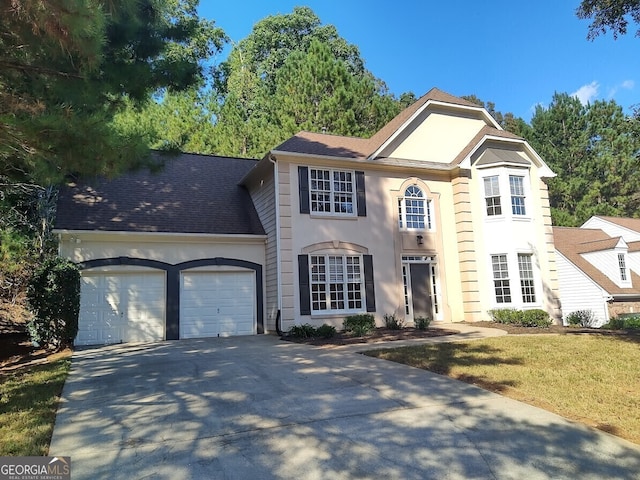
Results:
593 379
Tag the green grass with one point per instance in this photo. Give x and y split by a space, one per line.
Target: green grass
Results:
28 403
594 379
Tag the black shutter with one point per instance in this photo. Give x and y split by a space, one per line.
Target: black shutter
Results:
360 195
303 278
303 189
369 287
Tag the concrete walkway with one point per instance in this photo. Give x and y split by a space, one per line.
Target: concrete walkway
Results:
259 408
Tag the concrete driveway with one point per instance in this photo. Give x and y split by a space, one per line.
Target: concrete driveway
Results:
259 408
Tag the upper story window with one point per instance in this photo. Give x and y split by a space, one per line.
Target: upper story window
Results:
332 191
622 265
328 192
414 210
492 195
516 185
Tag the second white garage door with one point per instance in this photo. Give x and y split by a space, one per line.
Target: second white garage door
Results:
217 304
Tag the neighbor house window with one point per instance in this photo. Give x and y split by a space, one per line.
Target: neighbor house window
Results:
516 185
526 278
336 283
622 265
414 210
332 191
501 278
492 195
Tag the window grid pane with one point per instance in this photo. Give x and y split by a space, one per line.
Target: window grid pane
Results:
414 210
336 283
622 264
516 184
526 278
492 196
331 191
501 278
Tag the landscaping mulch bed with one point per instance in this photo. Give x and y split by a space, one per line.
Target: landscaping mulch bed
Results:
378 335
555 329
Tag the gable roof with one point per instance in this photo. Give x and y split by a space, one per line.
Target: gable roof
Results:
572 242
191 194
626 222
309 143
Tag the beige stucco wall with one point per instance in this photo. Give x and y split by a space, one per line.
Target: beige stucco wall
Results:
439 138
172 249
378 233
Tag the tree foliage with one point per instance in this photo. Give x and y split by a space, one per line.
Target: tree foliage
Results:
594 151
611 15
65 67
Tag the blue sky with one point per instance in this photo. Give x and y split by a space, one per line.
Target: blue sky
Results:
515 54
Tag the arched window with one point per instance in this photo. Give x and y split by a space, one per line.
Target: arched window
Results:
414 210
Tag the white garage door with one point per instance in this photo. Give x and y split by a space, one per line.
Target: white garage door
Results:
121 307
217 304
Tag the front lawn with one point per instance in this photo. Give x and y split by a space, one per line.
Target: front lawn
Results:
591 378
28 403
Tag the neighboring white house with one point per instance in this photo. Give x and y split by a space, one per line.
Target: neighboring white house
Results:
599 266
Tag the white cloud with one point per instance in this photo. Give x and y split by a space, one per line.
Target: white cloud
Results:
628 84
586 93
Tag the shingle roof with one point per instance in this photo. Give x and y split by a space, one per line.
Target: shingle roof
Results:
626 222
353 147
572 242
192 194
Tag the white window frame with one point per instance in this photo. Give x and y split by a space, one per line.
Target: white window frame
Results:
407 206
490 196
527 279
622 267
347 272
501 279
333 192
518 195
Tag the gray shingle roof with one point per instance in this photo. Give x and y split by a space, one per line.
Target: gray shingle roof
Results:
192 194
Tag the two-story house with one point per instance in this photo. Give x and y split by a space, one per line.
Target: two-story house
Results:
440 214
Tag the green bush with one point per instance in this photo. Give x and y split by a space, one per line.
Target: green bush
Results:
302 331
615 323
360 324
326 331
422 323
584 318
392 322
53 295
628 322
522 318
505 315
535 318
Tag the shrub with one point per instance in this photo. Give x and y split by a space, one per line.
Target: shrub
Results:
615 323
522 318
54 299
302 331
392 322
326 331
584 318
422 323
632 323
535 318
360 324
505 315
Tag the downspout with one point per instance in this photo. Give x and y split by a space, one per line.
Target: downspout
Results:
276 188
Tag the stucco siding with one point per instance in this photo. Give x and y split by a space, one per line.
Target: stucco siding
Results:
439 138
578 292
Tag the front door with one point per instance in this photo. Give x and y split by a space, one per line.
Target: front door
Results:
421 289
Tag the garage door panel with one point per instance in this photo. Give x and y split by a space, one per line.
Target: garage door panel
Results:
121 307
217 303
